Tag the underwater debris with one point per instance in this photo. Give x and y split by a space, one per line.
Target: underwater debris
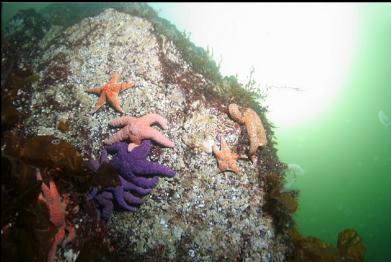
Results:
384 118
110 92
138 128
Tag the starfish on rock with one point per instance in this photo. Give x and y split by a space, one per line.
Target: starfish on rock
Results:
137 175
226 159
105 198
110 92
137 129
254 127
57 210
134 167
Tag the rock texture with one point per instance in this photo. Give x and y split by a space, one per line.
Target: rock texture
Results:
197 215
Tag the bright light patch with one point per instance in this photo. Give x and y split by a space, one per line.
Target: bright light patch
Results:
299 46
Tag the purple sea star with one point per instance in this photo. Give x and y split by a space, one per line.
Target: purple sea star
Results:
132 166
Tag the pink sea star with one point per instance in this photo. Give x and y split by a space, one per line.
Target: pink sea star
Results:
137 129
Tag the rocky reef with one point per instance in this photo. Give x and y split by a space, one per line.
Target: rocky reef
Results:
201 214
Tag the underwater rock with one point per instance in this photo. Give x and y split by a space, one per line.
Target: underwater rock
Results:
20 37
198 214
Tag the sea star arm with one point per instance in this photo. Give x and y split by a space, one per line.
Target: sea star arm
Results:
235 113
132 187
119 87
105 201
114 101
119 197
114 78
100 103
116 137
217 152
224 146
122 121
154 118
144 182
91 195
113 148
147 168
132 146
95 90
142 151
57 240
49 193
71 235
104 156
131 199
125 86
93 164
151 133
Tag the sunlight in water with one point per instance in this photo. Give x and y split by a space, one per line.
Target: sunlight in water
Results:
300 52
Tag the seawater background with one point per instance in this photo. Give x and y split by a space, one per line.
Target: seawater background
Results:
345 151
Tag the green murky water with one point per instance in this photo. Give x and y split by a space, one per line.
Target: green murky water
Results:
345 152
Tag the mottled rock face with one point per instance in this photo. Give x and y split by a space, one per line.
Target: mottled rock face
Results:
198 215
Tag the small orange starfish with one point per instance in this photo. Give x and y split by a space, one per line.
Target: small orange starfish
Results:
225 158
110 92
57 211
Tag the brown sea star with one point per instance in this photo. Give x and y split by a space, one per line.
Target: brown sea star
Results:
110 92
255 130
138 128
225 158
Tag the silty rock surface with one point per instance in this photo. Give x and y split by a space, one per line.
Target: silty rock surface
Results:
198 215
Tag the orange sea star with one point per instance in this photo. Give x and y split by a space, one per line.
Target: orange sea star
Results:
57 211
225 158
110 92
138 128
